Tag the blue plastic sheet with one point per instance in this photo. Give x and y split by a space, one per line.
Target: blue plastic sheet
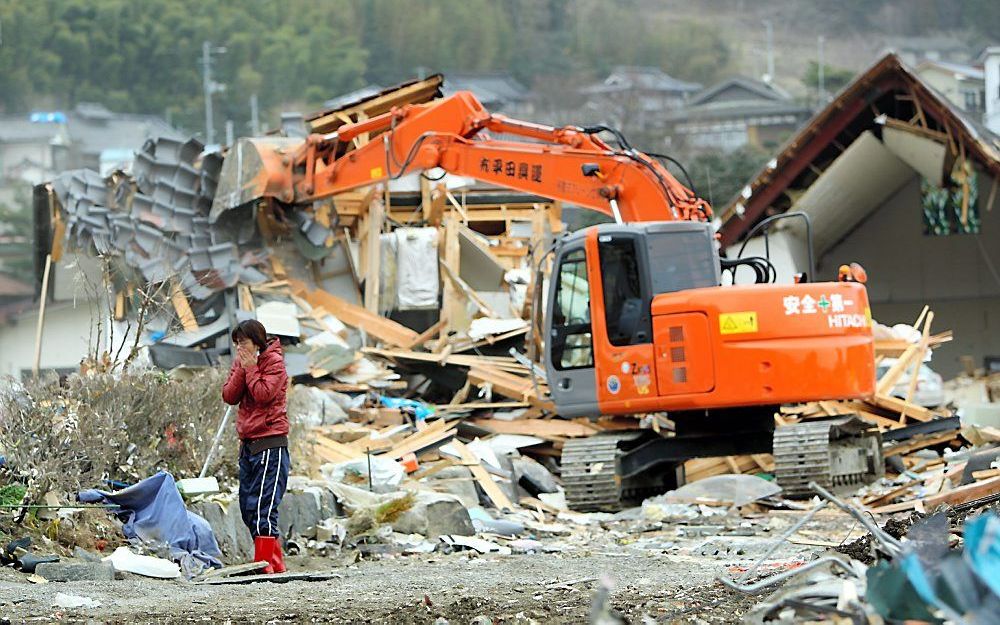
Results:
155 512
419 410
982 549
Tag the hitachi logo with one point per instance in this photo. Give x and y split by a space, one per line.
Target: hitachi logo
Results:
847 321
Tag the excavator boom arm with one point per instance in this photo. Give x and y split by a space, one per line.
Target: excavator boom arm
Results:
454 134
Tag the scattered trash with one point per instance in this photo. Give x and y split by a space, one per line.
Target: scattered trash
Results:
124 559
71 602
724 490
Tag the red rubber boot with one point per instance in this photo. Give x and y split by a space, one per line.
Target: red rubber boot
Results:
277 558
263 551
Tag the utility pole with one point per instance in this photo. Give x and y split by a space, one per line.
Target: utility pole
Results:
254 116
769 26
210 87
230 132
820 72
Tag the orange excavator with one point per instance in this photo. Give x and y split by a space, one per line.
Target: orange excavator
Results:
637 320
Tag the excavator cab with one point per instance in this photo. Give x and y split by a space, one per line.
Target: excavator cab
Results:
631 264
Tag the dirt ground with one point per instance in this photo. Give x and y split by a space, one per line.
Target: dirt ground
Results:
657 573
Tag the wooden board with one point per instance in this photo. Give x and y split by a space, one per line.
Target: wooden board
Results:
899 406
543 428
469 459
508 385
332 451
436 432
962 494
380 327
183 307
914 444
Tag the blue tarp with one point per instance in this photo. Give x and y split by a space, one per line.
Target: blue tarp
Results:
982 549
154 512
420 410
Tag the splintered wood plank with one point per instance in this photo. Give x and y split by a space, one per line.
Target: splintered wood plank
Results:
373 255
508 385
334 451
469 459
542 428
183 307
962 494
899 406
918 359
353 315
436 432
920 443
890 377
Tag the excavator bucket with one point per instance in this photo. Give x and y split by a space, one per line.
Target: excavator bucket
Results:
255 168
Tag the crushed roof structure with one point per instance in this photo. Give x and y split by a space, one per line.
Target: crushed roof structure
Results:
889 95
364 103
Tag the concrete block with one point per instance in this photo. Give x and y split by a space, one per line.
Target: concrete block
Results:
432 516
76 571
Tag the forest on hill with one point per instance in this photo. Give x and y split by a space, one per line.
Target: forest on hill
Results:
146 56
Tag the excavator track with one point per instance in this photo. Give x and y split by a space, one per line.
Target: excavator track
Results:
833 453
589 472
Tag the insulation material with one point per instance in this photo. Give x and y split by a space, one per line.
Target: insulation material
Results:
279 318
388 273
338 274
483 327
477 265
417 283
921 153
853 186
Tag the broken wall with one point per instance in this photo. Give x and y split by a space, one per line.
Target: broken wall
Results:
955 275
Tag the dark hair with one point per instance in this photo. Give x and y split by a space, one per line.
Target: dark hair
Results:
254 331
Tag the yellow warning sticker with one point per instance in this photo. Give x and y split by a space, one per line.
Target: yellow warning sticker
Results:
738 322
376 172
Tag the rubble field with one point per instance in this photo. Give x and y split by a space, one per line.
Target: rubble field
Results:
655 574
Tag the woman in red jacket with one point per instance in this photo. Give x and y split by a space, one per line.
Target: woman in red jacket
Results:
258 383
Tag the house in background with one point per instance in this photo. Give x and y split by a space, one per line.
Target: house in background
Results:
734 113
963 85
915 50
900 179
636 98
499 92
36 147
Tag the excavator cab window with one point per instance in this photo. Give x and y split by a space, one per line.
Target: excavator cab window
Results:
572 344
626 294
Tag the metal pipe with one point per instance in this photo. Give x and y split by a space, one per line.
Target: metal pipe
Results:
615 211
781 540
758 587
215 441
890 544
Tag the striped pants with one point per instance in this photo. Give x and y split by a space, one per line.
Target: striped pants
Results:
263 478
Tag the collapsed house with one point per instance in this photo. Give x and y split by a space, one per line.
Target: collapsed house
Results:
898 178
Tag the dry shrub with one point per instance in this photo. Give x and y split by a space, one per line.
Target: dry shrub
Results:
123 427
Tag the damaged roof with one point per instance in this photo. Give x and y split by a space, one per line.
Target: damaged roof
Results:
888 89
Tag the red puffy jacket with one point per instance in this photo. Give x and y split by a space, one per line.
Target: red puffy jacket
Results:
260 392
